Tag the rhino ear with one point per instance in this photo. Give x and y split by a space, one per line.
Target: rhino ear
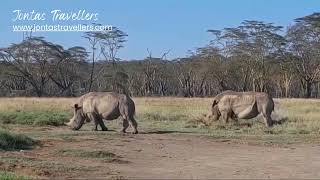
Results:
214 103
76 106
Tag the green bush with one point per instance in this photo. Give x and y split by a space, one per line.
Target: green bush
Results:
11 176
38 118
9 141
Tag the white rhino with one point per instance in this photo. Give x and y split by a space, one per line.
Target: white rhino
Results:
99 106
242 105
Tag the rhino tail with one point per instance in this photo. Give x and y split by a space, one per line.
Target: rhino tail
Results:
130 106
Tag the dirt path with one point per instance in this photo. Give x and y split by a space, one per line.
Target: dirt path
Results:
170 156
158 155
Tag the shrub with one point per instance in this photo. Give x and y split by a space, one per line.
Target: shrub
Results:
9 141
11 176
38 118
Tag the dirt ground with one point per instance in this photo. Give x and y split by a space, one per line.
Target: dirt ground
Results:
163 155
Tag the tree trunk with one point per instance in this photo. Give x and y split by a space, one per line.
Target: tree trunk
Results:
306 85
92 69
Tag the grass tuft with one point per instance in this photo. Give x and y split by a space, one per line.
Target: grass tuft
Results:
38 118
4 175
96 154
9 141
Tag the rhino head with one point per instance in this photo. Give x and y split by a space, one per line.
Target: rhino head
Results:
78 118
215 113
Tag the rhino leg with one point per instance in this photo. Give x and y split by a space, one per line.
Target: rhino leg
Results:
101 123
133 124
129 117
95 127
266 112
92 118
225 116
235 119
267 119
125 125
97 121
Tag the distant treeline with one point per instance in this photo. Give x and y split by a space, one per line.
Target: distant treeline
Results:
255 56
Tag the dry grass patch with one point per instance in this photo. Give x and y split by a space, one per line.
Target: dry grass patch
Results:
94 154
39 167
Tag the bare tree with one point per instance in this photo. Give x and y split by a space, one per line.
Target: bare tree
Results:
31 59
111 42
93 38
65 70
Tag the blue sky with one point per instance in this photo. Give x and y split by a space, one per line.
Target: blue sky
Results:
159 24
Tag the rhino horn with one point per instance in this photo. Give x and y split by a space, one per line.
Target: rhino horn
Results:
68 123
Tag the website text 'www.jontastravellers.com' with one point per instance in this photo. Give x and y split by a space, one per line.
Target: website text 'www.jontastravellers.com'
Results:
60 28
23 20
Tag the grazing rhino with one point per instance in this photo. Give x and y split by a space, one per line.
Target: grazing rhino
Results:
242 105
96 106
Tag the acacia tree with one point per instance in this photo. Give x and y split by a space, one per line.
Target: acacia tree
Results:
65 69
31 59
304 44
283 73
111 42
155 77
93 38
13 85
252 42
214 65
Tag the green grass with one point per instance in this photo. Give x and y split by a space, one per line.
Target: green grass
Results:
10 141
299 123
180 115
95 154
11 176
156 116
38 118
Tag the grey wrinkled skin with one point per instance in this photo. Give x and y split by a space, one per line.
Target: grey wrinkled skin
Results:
242 105
99 106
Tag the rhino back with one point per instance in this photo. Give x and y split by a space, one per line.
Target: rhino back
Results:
100 102
238 101
264 100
